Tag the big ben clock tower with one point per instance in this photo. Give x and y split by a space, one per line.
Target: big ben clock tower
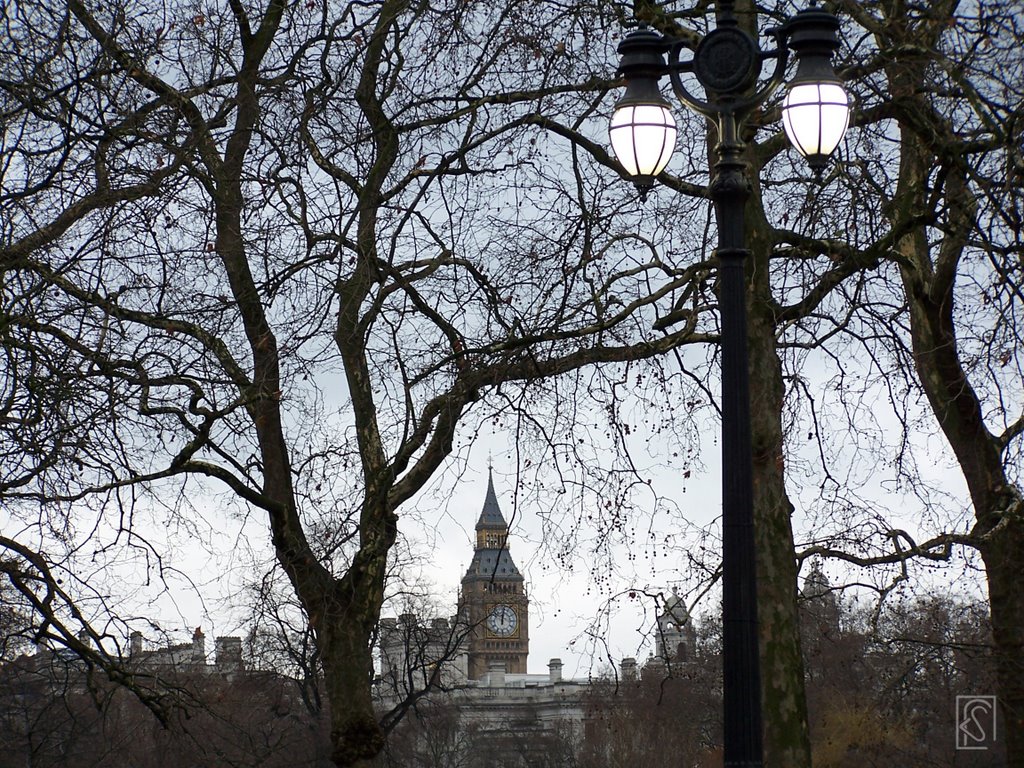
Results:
494 601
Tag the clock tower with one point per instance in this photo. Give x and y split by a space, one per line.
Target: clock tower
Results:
494 602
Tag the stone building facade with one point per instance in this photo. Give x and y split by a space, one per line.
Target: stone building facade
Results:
188 657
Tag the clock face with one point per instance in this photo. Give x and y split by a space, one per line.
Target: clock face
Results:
502 620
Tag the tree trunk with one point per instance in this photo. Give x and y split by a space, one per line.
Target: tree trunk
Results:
356 735
1003 553
787 738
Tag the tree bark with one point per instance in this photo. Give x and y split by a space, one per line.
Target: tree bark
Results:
787 738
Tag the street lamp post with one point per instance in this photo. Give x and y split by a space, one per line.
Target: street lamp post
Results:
728 64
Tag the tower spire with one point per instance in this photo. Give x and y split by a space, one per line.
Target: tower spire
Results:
490 515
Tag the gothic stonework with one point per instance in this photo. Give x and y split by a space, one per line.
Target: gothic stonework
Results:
494 601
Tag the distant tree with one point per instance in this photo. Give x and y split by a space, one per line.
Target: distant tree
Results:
666 715
433 735
52 715
882 681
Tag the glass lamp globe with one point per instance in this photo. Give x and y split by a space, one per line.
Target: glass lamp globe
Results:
815 117
643 137
816 110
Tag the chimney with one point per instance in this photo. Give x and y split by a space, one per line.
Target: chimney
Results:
628 668
198 646
135 643
555 670
496 674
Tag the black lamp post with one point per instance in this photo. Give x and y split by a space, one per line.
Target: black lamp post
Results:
727 64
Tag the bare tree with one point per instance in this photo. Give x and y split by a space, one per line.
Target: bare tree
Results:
948 78
289 249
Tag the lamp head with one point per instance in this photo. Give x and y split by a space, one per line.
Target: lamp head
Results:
816 110
642 131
